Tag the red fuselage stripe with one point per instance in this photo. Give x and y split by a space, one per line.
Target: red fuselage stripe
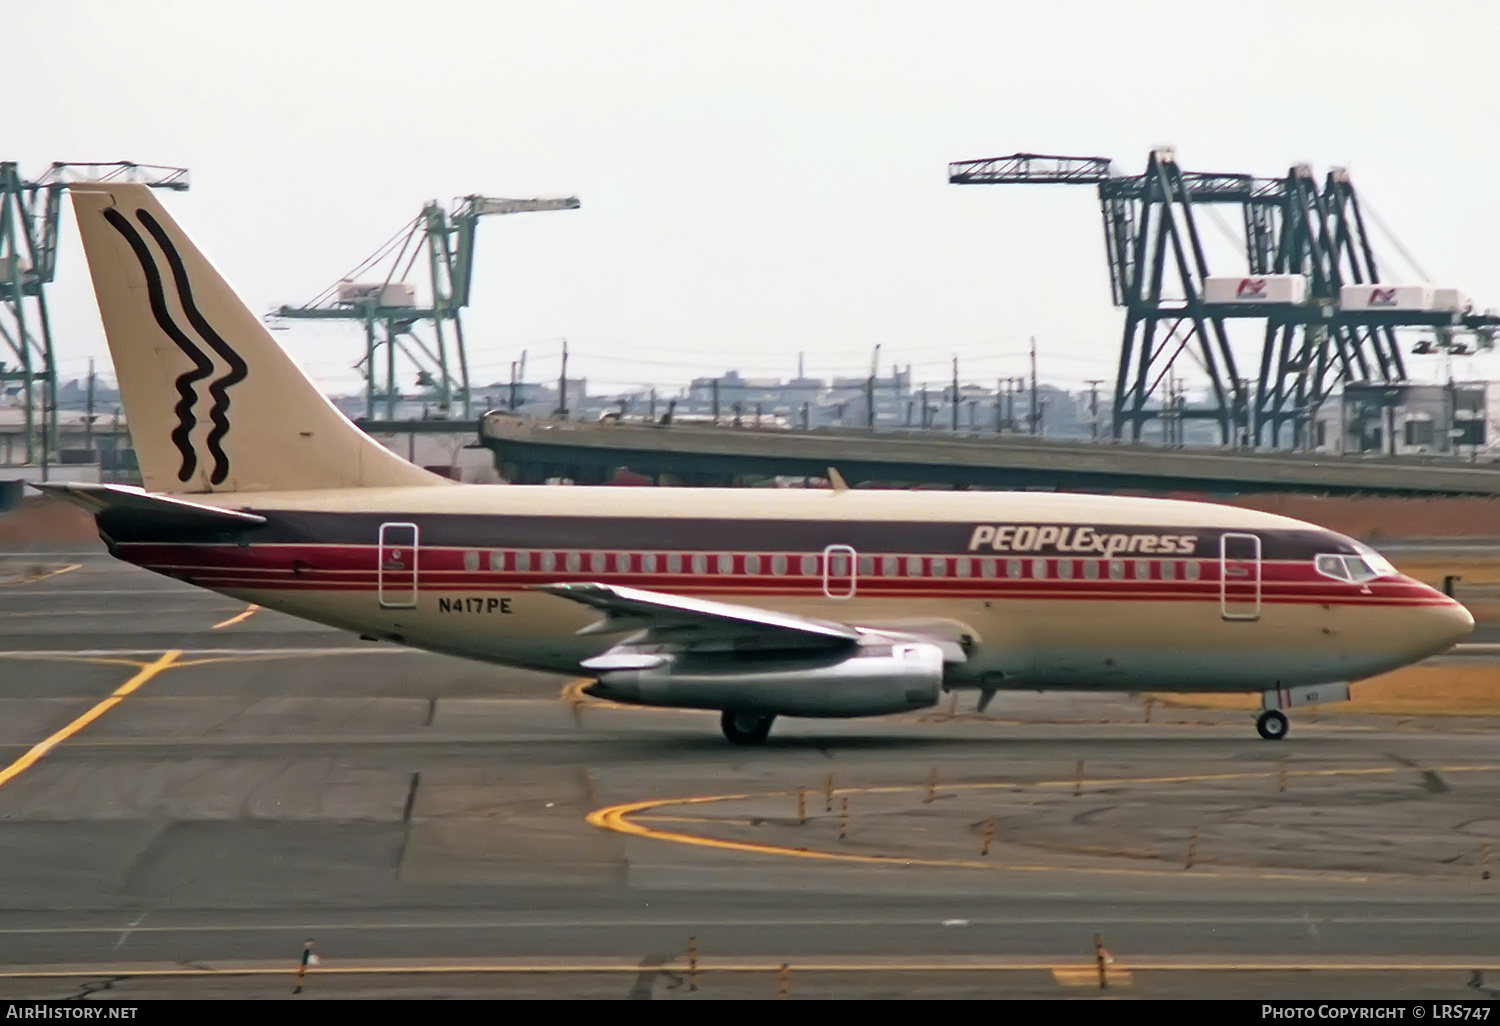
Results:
354 568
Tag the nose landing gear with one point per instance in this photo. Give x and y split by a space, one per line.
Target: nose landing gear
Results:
1272 725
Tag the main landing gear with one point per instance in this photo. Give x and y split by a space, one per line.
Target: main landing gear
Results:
744 728
1272 725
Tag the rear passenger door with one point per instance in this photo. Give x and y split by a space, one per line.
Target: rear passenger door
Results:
396 569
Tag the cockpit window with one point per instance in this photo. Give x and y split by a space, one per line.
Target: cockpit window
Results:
1376 562
1353 568
1332 566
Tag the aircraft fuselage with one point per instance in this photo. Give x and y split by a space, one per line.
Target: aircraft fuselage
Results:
1041 591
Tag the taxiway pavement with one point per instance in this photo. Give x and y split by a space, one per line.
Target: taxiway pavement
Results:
240 784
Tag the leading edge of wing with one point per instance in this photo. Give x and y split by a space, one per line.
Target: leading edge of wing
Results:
642 607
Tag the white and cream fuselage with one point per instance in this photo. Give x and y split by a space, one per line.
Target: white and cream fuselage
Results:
1040 589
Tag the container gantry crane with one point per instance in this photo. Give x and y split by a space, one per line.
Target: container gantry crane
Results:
388 305
1309 273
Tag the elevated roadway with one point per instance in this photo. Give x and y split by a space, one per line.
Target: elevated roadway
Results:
532 451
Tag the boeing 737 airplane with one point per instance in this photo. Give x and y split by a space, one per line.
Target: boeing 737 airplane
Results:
758 604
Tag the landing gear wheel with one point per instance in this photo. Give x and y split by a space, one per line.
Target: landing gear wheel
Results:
742 728
1272 725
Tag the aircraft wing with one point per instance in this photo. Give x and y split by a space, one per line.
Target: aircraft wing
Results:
676 622
130 502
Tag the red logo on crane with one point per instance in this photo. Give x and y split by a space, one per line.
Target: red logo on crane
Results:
1251 288
1382 297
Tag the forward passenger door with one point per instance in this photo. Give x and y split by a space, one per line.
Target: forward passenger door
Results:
1239 576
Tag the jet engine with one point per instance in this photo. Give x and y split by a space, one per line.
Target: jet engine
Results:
867 680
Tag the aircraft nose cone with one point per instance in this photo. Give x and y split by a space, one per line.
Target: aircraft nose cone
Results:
1431 625
1451 623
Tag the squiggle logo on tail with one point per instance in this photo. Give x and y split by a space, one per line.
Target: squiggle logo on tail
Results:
203 366
219 388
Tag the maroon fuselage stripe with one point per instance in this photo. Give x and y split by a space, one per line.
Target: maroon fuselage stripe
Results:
335 567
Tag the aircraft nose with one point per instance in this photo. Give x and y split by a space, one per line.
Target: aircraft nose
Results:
1448 622
1427 623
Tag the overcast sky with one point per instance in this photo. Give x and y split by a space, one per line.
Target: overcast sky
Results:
757 179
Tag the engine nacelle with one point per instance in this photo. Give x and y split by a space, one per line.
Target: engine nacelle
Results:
871 680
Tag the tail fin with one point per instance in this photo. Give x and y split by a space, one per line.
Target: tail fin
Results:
213 403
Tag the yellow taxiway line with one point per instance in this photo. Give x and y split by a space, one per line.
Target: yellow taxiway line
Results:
37 752
571 693
238 618
617 818
42 577
626 818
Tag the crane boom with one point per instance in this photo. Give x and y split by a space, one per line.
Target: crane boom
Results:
480 206
1031 168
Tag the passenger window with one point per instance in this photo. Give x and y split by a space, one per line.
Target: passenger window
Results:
939 567
1191 570
1065 568
523 561
471 561
700 564
575 562
622 562
778 565
674 562
752 564
1116 569
1168 570
1039 569
497 561
1012 568
1091 569
1143 569
726 563
989 567
914 566
961 567
866 566
809 566
890 566
548 562
648 562
598 562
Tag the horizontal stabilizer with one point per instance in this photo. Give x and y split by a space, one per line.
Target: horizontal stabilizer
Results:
137 504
